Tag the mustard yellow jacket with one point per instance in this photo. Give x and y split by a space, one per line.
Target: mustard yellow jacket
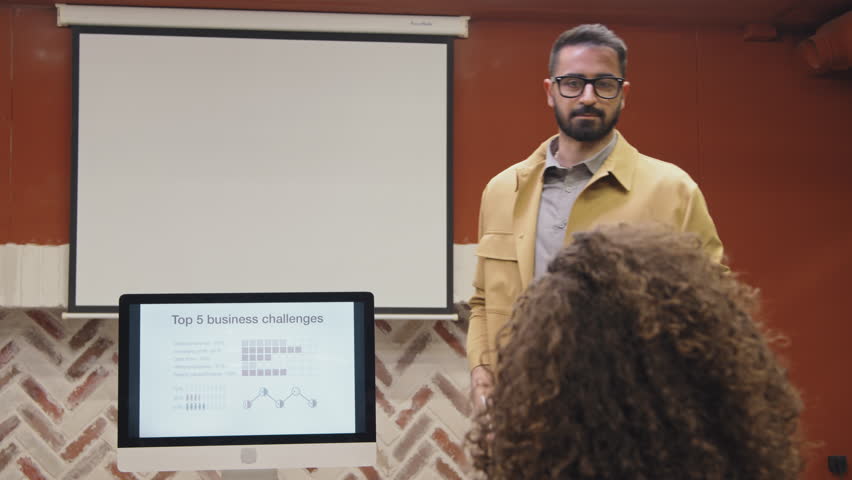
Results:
629 187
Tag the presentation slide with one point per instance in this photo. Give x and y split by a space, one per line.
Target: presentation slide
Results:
246 369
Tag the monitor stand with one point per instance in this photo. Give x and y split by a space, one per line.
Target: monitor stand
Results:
265 474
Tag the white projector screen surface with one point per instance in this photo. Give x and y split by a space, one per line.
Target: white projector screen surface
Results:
234 164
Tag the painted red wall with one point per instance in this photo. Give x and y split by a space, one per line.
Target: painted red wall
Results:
37 83
5 123
768 143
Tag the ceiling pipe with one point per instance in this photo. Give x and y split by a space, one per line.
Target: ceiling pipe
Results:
830 48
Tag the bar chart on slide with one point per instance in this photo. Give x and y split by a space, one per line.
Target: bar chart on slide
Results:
286 361
275 358
245 358
199 397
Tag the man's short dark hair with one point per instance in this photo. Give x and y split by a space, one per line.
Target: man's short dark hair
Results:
590 34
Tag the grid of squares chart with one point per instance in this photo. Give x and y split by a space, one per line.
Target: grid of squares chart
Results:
269 357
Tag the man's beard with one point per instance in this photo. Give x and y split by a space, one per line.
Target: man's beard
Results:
587 130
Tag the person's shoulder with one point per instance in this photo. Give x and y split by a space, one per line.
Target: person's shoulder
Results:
638 170
664 168
508 177
662 171
505 180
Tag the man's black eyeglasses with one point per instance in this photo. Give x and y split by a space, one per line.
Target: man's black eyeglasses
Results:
572 86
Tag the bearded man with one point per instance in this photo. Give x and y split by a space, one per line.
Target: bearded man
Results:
585 176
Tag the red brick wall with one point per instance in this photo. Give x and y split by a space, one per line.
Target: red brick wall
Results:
58 385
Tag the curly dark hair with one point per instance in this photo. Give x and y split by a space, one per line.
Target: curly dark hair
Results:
637 357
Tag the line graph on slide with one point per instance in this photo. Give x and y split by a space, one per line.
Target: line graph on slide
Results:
295 392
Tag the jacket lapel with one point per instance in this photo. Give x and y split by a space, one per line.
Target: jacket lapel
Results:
525 215
618 169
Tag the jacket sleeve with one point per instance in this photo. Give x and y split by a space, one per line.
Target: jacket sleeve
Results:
698 221
477 332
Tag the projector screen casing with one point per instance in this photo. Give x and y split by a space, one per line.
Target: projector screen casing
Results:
227 161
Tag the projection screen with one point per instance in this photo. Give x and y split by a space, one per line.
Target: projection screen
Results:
226 161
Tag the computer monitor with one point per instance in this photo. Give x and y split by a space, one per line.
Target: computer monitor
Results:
230 381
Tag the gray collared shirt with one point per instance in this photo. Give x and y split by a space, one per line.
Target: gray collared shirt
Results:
560 190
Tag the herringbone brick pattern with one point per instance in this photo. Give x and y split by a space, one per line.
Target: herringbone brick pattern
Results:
58 381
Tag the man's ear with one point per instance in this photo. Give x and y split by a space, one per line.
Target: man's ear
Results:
548 91
625 89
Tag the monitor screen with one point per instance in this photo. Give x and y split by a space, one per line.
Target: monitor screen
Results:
242 380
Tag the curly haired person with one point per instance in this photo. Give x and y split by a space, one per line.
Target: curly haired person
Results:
652 367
